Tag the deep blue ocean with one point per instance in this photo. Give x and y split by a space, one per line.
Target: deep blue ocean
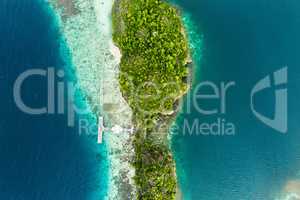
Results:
243 41
40 156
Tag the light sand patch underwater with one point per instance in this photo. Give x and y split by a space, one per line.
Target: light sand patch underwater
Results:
290 191
95 60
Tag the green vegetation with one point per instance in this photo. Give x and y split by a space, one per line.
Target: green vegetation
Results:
153 77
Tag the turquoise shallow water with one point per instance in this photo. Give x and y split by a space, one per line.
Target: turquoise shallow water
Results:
40 156
243 41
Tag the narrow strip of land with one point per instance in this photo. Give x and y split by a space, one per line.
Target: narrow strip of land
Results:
153 74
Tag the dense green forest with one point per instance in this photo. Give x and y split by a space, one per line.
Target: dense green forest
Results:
152 77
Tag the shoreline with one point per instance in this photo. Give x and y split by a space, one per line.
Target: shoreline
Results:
165 116
96 27
95 60
195 41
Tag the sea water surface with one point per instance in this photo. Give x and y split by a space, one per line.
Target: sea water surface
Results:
40 156
243 41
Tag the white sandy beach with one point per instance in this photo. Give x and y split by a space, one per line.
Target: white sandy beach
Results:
96 61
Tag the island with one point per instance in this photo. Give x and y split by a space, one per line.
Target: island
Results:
132 63
154 74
